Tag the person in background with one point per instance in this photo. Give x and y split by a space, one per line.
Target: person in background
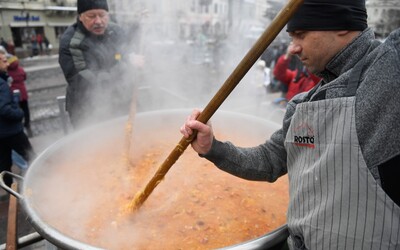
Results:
4 43
46 45
34 46
277 85
12 136
11 47
298 80
97 65
39 39
18 75
339 142
270 56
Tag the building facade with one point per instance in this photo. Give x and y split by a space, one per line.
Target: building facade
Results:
383 16
27 22
183 18
23 20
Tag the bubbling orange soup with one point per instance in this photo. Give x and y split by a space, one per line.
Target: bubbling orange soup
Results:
196 206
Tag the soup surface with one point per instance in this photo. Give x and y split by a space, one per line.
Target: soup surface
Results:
85 191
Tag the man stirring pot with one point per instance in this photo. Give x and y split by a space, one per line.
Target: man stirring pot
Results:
339 142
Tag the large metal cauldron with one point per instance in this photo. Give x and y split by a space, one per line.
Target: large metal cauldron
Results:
164 126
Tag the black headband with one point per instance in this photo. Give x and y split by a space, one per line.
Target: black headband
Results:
85 5
329 15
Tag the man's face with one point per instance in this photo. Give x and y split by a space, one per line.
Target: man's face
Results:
3 63
95 21
314 48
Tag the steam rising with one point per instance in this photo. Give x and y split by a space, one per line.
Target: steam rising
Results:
81 186
186 63
188 56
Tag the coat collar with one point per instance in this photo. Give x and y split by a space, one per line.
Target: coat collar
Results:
348 56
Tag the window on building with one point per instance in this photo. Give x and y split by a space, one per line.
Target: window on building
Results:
25 35
59 30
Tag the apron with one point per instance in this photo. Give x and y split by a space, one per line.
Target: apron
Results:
335 202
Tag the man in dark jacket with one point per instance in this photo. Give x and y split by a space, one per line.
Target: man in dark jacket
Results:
12 136
95 60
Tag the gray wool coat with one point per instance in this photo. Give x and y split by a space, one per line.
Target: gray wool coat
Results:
377 112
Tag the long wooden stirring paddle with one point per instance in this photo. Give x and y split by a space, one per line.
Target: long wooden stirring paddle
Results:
232 81
129 127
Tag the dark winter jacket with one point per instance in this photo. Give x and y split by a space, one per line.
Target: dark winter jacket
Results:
19 77
95 68
298 80
10 113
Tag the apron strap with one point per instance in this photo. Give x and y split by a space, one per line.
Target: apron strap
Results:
312 91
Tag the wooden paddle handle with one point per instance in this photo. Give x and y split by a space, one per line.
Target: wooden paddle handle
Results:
232 81
250 58
11 243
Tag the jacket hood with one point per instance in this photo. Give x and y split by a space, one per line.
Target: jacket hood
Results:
13 62
13 65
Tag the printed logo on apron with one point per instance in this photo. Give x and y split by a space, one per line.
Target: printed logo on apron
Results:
304 136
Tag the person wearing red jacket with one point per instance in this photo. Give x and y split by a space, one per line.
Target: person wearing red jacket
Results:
18 75
298 80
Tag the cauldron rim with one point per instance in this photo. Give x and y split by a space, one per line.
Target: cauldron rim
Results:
59 239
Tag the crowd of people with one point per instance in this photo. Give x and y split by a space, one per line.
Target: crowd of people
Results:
285 73
40 45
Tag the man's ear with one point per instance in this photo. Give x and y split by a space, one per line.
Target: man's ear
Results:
343 32
348 35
